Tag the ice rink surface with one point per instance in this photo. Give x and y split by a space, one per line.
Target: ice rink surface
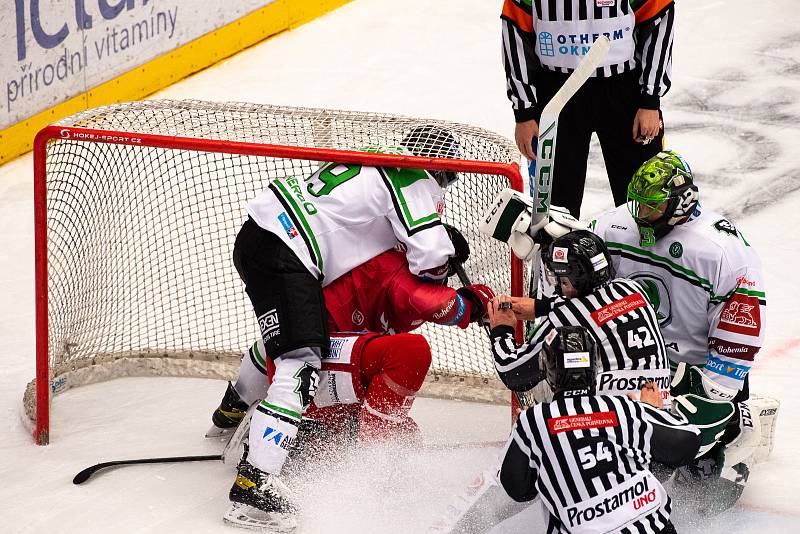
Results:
733 111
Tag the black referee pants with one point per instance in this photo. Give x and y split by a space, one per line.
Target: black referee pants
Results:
607 107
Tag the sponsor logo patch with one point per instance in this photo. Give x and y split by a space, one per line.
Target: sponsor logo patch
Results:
582 422
676 250
337 344
768 411
288 225
614 507
599 262
724 226
277 437
729 348
444 311
357 317
741 315
604 3
742 281
729 369
560 254
269 325
617 308
576 360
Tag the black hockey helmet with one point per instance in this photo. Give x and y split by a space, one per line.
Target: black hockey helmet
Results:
664 178
569 361
583 258
433 142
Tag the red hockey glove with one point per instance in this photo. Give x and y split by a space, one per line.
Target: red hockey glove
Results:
478 295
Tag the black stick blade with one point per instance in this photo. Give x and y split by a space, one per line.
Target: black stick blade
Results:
84 475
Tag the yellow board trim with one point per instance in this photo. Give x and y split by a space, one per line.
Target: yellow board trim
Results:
171 67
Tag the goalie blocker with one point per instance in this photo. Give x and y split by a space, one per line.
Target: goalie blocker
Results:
510 219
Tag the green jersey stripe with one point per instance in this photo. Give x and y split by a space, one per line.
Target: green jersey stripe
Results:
317 255
704 283
282 411
397 179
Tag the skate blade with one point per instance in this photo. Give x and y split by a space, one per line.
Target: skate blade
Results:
217 432
251 518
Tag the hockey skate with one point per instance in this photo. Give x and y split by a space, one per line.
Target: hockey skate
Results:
228 415
260 501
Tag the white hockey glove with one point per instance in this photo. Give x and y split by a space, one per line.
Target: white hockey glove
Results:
558 222
509 218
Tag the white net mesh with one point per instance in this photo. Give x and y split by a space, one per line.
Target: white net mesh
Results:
140 238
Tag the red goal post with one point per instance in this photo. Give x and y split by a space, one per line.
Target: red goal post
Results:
136 206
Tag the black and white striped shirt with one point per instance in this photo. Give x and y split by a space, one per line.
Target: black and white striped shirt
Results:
589 458
556 34
624 327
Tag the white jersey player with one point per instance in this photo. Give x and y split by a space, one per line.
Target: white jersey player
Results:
302 234
703 278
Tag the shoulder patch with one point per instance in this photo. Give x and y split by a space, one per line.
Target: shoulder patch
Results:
726 227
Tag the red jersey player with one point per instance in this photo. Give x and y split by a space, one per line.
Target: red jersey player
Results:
375 366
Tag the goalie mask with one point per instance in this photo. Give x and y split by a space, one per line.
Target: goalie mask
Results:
665 181
569 361
433 142
583 258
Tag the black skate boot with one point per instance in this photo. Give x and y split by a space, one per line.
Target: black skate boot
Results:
260 501
229 413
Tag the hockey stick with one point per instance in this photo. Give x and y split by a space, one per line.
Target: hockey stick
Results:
544 165
87 473
84 475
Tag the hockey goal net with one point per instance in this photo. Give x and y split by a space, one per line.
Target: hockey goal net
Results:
136 209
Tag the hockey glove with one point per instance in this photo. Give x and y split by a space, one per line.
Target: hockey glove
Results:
508 219
691 379
461 246
558 222
478 295
709 416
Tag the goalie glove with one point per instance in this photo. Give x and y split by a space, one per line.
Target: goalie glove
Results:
509 219
709 416
691 379
558 222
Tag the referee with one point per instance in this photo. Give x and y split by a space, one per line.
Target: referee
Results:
543 42
588 456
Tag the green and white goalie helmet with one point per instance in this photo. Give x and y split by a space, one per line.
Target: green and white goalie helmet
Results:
661 194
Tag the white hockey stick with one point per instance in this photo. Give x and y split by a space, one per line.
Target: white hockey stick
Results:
548 124
548 130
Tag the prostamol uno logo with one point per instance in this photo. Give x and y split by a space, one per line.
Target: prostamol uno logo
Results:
610 382
637 494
